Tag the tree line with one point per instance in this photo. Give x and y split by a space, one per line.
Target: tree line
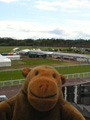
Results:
45 42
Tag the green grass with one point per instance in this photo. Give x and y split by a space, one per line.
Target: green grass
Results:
16 64
7 49
73 69
13 75
42 61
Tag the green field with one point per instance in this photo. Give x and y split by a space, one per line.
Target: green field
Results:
13 75
7 49
18 64
73 69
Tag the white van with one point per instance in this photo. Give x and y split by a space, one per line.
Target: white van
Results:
3 97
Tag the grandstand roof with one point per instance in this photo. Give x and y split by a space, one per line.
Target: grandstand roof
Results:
61 54
72 55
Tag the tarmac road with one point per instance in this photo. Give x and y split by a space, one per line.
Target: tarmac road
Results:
10 91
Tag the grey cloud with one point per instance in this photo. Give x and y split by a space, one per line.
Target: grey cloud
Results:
81 34
9 27
23 30
57 32
20 29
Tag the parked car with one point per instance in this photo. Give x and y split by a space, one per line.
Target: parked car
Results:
3 97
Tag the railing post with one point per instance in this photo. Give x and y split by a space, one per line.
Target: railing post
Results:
19 82
75 94
78 75
65 93
73 75
11 83
3 83
83 74
67 76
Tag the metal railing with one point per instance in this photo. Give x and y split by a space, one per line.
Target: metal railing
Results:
77 75
20 81
11 70
11 82
72 65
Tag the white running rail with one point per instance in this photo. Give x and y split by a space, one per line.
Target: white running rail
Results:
20 81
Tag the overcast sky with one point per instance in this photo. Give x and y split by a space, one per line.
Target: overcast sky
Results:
67 19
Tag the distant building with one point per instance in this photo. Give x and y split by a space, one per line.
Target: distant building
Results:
4 61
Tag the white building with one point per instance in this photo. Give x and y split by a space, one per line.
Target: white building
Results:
4 61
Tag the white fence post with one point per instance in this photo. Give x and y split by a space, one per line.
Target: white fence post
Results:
77 75
75 94
65 93
3 83
11 82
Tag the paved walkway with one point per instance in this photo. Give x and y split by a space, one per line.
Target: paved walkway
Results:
10 91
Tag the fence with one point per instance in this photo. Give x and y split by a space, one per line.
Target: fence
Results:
77 75
72 65
11 70
11 82
20 81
